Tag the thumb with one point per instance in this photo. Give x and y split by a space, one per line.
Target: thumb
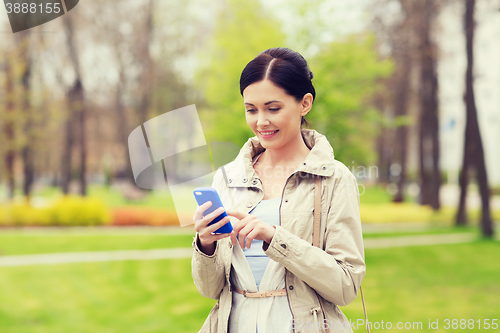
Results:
236 213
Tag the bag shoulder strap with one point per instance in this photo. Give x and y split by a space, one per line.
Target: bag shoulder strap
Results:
316 236
317 211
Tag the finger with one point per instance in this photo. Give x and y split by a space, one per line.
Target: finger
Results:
240 224
251 236
216 237
210 217
210 239
242 235
236 213
233 237
212 228
198 214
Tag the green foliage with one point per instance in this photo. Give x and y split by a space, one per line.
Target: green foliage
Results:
243 30
346 74
345 77
412 212
67 211
403 213
374 195
23 214
80 211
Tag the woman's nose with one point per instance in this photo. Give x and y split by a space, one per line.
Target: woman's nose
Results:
262 119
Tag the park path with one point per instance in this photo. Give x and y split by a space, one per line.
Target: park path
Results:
155 254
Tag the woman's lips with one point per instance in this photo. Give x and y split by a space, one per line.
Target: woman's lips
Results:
268 134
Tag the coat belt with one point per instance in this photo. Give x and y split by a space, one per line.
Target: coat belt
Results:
249 294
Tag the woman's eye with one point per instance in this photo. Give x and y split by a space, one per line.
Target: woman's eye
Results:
251 110
274 109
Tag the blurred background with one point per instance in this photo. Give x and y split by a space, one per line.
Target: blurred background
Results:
408 94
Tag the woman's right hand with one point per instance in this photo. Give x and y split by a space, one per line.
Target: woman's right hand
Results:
206 237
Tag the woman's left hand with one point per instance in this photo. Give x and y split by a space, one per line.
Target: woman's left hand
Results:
249 227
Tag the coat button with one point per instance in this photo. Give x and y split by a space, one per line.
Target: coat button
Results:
230 180
304 163
283 246
249 204
244 180
254 182
286 200
291 287
324 168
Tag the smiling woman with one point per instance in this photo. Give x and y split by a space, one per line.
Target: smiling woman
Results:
270 274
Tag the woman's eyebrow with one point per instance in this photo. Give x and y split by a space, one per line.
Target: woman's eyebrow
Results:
267 103
272 102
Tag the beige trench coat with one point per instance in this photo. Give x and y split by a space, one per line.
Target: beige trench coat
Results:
334 270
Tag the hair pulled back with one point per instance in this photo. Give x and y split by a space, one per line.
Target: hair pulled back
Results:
285 68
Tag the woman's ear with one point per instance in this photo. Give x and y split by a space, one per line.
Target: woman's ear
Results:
306 104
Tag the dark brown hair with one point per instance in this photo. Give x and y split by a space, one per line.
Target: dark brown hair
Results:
285 68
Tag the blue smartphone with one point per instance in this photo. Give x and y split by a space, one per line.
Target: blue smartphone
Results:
204 194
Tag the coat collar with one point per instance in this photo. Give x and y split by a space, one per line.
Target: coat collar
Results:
320 160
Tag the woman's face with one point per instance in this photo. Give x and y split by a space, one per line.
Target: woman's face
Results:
272 114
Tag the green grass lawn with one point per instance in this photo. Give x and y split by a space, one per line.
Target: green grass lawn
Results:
111 297
415 284
20 242
17 243
424 230
412 284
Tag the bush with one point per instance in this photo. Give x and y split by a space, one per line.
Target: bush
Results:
24 214
73 211
68 211
403 212
144 216
409 212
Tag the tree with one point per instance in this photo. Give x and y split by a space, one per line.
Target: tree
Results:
76 113
27 153
401 37
345 79
243 30
8 126
143 54
430 180
408 32
473 156
397 31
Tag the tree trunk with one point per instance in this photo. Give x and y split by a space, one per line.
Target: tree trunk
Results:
473 147
147 63
401 106
66 161
429 127
76 99
27 150
383 160
123 128
9 126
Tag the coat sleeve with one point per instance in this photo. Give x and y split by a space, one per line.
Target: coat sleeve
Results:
337 271
208 271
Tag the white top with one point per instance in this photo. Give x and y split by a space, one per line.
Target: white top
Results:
269 314
267 211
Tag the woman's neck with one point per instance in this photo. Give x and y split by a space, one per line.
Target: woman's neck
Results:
291 154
